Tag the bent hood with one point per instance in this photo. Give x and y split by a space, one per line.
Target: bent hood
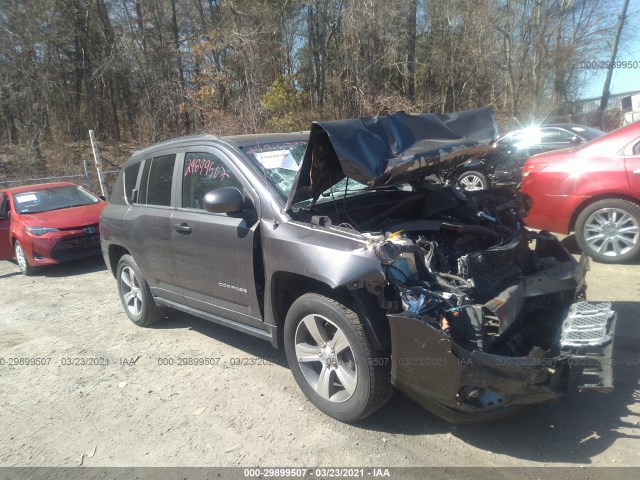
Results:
389 149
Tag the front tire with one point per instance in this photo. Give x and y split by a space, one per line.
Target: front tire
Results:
472 181
23 261
332 360
609 231
135 294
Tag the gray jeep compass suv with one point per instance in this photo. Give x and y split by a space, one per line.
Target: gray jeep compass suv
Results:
336 246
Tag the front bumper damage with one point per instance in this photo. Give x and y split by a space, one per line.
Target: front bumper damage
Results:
464 386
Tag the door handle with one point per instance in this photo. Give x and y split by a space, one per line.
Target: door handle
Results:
636 171
182 228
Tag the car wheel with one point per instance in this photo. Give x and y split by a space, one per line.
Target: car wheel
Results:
135 294
332 361
473 181
23 261
609 231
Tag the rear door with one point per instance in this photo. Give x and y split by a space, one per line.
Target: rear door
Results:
150 223
214 252
632 166
6 249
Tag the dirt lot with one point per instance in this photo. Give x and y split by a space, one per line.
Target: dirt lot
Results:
135 408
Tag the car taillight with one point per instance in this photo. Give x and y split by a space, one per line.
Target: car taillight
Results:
530 169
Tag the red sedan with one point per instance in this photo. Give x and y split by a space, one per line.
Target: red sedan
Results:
594 190
48 224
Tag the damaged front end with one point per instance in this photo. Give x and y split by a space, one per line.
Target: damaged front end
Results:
489 317
486 317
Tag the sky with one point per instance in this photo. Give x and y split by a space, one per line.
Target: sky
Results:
623 79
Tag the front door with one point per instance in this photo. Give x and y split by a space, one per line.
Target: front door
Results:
214 252
6 249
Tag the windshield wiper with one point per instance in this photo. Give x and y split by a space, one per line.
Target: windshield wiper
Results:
71 206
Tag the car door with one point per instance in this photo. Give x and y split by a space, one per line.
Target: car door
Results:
214 252
6 249
149 222
632 166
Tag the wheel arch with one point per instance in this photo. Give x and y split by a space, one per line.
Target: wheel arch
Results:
596 198
287 287
116 252
26 244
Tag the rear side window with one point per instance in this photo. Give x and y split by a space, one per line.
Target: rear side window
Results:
202 173
130 178
555 135
157 178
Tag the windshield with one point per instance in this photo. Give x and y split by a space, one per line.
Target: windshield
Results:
55 198
280 162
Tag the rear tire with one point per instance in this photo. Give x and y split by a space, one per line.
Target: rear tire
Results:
135 294
23 261
609 231
472 180
332 361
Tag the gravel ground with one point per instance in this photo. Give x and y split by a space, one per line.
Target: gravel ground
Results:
113 394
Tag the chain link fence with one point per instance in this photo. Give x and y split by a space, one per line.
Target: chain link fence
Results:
88 178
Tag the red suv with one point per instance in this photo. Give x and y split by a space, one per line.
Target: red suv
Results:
594 190
48 223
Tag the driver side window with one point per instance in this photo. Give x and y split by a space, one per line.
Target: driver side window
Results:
203 172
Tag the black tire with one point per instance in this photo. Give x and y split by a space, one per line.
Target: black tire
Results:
468 180
619 222
23 260
135 295
370 369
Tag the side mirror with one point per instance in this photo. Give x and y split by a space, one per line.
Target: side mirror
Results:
223 200
575 140
102 197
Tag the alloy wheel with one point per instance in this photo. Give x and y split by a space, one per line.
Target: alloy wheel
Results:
131 290
611 231
326 358
472 182
21 258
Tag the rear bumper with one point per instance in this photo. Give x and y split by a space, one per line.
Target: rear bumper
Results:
467 387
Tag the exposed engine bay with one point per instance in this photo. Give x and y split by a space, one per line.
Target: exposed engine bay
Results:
462 262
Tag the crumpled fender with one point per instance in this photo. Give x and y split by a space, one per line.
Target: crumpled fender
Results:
334 256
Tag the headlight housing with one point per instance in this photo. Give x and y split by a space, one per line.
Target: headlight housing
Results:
38 231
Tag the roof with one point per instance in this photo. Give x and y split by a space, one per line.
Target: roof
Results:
244 140
235 140
39 186
176 141
564 125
